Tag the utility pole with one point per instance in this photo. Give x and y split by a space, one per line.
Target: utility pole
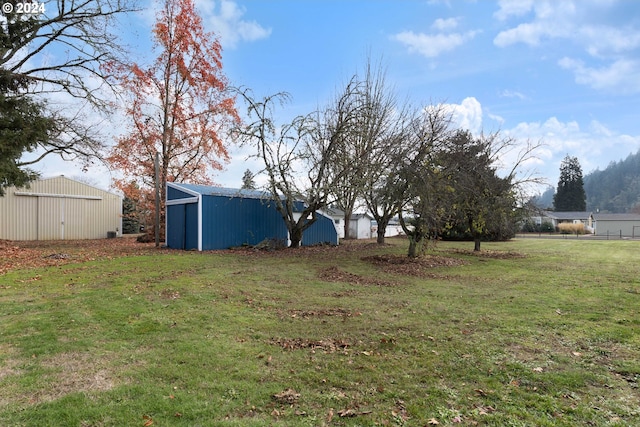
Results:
157 171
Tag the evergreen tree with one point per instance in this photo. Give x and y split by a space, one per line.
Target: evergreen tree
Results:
247 180
130 217
22 128
570 195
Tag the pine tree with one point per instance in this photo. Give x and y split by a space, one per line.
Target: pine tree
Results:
247 180
570 195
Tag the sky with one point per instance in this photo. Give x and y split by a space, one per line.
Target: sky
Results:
562 73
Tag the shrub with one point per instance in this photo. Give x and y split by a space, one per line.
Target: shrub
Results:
569 228
547 227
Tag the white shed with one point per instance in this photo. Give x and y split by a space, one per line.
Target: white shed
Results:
360 226
338 219
59 209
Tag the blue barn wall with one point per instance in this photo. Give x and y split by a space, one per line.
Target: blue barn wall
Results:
321 232
231 218
182 230
230 222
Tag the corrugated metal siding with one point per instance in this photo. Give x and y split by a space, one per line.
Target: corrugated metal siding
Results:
230 222
59 208
616 228
323 231
182 226
50 218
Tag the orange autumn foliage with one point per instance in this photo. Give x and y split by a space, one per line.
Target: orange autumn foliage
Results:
178 106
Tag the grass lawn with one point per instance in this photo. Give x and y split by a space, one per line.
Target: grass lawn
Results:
528 333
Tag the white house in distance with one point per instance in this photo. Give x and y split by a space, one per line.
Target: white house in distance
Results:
623 225
59 209
393 228
362 225
557 218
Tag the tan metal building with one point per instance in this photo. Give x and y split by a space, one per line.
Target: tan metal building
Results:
59 209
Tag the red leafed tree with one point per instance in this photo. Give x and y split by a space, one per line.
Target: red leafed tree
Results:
178 106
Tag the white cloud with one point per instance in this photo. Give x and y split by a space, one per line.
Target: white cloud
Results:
512 94
510 8
532 33
227 22
621 76
594 147
601 40
467 115
445 24
584 24
563 19
432 46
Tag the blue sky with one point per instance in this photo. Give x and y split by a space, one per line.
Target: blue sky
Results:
566 73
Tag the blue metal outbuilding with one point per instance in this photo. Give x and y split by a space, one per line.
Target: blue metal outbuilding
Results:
204 218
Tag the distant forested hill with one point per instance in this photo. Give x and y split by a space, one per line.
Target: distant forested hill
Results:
615 189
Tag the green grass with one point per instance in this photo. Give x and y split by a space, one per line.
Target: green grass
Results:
551 338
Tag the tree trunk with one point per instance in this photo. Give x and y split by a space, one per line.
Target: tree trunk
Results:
382 229
347 220
296 238
416 246
295 235
475 234
412 248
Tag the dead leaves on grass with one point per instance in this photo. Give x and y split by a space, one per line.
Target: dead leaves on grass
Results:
334 274
34 254
329 345
331 312
287 397
488 253
403 265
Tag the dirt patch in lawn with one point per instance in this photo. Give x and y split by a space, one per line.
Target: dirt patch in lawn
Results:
68 373
399 264
487 253
334 274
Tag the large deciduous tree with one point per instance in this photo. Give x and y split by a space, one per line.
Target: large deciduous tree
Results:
422 194
178 106
59 47
297 156
373 134
570 195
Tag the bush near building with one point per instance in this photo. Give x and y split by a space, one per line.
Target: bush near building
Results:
571 228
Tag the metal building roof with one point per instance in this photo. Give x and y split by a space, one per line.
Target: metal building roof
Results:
209 190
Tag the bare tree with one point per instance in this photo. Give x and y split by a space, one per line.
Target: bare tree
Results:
296 158
81 34
383 183
376 120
